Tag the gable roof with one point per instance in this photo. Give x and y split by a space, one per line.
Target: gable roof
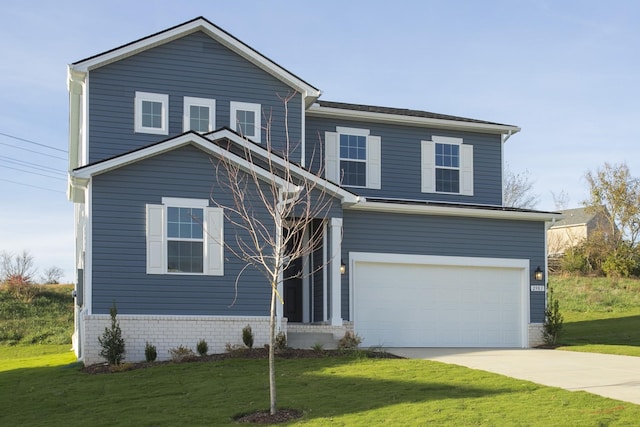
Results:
309 92
80 176
406 116
576 216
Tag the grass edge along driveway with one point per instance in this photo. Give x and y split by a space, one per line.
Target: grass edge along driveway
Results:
337 391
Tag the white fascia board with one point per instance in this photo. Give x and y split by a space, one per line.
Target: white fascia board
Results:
453 211
212 31
341 113
329 187
186 139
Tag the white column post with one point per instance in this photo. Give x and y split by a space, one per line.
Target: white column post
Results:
334 272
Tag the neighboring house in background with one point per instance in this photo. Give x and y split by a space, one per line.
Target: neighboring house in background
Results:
575 226
432 257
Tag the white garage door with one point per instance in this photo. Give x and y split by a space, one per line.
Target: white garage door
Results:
425 301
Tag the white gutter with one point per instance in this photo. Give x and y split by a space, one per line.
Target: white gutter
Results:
317 110
452 211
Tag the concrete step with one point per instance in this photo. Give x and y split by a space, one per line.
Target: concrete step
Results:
308 339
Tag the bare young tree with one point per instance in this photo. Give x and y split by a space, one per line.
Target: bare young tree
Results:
274 205
18 267
52 275
517 190
561 199
616 194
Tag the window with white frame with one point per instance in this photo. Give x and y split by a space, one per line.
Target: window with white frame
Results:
199 114
245 119
184 236
353 157
151 113
447 166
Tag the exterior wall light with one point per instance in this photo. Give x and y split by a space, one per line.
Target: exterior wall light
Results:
538 274
343 267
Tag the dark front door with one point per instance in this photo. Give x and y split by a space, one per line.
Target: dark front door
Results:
293 291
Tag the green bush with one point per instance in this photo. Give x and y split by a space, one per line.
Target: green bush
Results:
150 352
553 320
622 262
112 343
247 336
202 347
574 261
281 341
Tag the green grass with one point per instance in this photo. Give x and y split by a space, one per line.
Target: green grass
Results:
601 315
47 319
330 391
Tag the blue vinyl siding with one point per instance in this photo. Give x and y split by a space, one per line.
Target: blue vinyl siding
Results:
401 160
119 243
195 66
445 236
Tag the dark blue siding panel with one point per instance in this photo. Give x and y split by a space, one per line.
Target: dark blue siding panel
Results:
401 160
194 65
444 236
119 243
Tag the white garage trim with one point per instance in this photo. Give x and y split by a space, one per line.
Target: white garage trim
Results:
432 260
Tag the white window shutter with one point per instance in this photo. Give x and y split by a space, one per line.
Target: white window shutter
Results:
331 156
214 241
466 170
155 240
373 162
428 167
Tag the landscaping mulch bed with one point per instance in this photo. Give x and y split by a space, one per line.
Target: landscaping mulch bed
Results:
245 353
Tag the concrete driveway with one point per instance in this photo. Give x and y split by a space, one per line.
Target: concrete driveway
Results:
617 377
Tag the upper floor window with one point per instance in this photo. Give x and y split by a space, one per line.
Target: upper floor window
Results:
447 166
245 119
184 236
199 114
151 113
353 157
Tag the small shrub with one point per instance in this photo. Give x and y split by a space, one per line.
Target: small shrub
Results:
112 343
181 354
202 347
350 341
317 347
553 320
280 342
21 288
150 352
247 336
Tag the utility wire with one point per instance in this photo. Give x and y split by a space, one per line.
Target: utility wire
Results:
32 151
33 142
35 173
29 185
31 165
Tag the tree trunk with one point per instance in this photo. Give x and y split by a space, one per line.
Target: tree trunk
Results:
272 345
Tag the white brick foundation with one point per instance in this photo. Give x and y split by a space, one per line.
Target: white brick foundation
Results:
166 332
535 334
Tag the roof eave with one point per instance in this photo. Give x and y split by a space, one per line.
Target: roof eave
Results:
330 112
455 211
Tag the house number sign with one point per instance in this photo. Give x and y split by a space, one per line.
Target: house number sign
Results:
537 288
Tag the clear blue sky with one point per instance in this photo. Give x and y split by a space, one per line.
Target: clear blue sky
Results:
567 73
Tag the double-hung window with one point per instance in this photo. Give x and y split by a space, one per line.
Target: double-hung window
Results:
447 166
353 157
151 113
245 119
199 114
184 236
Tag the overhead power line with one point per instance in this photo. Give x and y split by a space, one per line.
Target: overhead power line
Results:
33 142
34 173
33 186
32 151
31 165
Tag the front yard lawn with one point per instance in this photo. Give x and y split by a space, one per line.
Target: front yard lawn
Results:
340 391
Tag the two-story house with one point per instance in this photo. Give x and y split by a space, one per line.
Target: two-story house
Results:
417 249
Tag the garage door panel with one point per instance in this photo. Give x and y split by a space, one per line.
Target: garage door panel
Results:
398 304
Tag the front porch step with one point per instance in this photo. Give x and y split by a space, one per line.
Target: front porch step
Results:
307 340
